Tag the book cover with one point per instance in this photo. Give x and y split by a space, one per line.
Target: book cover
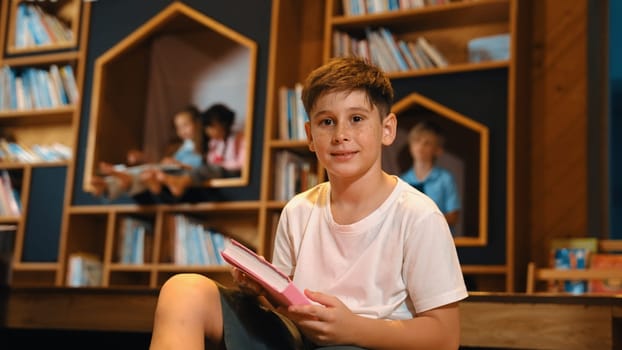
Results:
278 284
607 285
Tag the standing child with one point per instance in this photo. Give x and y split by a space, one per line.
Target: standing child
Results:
426 142
374 255
185 153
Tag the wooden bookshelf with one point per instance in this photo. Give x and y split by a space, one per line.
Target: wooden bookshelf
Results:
46 124
118 116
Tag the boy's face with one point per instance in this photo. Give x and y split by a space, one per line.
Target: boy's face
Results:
347 133
425 147
215 131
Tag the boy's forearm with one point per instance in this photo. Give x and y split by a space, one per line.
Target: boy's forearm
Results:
438 329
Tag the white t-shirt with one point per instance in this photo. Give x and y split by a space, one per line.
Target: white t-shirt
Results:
398 261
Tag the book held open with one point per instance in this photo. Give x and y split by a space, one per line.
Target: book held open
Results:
278 284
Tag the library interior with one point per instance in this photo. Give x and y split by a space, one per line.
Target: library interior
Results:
137 139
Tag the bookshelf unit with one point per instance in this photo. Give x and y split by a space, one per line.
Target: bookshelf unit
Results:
45 124
118 110
299 43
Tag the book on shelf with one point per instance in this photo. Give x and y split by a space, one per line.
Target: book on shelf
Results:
489 48
35 27
9 197
134 240
432 52
601 261
84 270
571 253
280 286
195 244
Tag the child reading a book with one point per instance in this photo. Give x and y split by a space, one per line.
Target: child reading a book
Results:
225 157
425 142
374 255
184 153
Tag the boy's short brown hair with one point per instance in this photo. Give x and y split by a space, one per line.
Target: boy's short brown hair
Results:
347 74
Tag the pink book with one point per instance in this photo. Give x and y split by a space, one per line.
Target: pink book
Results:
277 283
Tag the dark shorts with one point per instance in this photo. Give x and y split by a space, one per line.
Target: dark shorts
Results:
249 326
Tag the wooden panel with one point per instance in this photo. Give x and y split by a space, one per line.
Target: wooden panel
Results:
536 326
558 159
488 320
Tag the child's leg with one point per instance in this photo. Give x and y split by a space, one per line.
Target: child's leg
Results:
150 178
177 184
99 186
188 312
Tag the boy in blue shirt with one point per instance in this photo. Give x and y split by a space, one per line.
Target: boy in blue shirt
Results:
426 145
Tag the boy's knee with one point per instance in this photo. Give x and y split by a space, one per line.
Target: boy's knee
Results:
190 285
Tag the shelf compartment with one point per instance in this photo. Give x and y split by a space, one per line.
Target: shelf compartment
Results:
87 233
179 238
67 12
133 239
129 79
466 154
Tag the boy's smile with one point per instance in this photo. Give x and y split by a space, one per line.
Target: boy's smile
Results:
347 133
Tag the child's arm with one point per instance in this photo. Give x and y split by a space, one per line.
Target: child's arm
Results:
334 323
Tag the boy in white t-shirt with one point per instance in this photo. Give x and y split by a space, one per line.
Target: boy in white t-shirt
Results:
375 255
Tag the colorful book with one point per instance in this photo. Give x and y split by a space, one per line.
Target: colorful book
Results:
571 253
278 284
607 285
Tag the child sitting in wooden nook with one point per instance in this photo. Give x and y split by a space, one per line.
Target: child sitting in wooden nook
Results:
225 157
131 178
426 141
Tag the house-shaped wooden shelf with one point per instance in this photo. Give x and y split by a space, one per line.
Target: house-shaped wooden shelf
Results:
178 57
465 155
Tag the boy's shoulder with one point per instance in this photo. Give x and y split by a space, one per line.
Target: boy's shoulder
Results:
309 197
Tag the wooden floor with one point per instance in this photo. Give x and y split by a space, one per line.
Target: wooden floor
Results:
489 320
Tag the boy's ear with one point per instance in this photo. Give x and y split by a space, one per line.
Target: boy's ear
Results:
309 136
389 129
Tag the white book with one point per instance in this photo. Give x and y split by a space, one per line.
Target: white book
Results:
435 55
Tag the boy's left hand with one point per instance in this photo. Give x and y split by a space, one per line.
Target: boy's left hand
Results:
323 324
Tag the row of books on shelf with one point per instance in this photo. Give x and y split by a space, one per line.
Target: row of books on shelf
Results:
390 54
34 27
584 253
135 240
362 7
196 244
293 174
15 152
10 202
192 244
292 114
35 88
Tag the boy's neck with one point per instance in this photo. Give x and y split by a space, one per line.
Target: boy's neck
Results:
352 201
